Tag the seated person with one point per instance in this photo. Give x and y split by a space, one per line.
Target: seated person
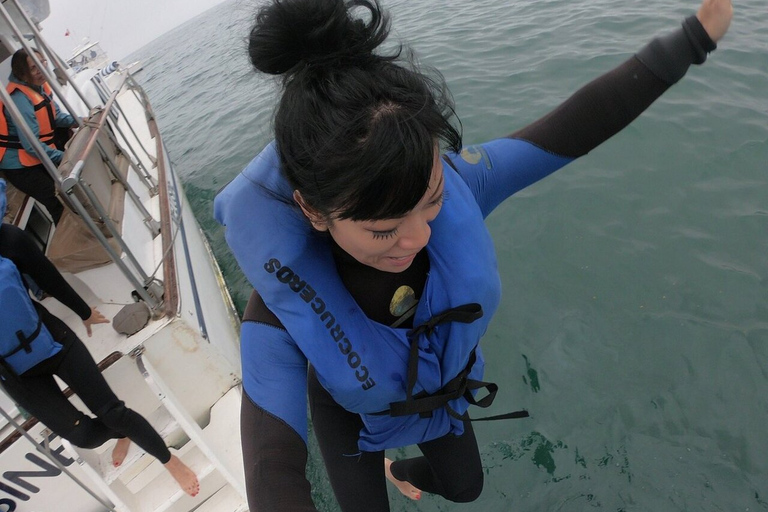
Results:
34 99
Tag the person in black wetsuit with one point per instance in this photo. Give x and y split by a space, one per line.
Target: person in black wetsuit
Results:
378 204
38 393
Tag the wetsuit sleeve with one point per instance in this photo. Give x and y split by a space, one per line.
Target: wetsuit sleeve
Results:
28 114
596 112
274 414
18 247
609 103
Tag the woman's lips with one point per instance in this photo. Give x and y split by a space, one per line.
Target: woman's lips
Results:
401 260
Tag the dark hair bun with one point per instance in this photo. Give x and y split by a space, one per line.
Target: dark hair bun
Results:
315 33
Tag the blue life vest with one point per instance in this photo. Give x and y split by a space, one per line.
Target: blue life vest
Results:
24 340
363 364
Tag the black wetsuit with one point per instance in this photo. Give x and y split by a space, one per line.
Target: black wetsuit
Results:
275 455
36 390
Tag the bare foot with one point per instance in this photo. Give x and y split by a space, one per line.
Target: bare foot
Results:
184 476
120 451
408 490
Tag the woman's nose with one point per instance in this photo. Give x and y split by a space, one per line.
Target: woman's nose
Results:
414 234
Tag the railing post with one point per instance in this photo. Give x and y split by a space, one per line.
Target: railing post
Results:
94 140
53 83
152 301
144 176
135 162
182 416
73 182
53 459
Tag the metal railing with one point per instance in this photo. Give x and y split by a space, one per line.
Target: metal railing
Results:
135 161
143 282
46 450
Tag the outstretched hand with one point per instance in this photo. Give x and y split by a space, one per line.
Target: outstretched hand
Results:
715 16
95 318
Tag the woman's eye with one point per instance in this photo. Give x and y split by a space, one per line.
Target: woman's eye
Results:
383 235
439 200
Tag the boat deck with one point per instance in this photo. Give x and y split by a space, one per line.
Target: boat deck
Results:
181 371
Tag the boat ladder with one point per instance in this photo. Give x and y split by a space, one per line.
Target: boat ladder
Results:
141 483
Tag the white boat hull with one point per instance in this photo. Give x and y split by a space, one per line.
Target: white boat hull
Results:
181 371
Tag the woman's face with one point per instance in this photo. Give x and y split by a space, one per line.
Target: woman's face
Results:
391 245
34 75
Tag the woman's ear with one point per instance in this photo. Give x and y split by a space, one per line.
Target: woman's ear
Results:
316 219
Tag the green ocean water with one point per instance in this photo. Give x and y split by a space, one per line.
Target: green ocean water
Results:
634 322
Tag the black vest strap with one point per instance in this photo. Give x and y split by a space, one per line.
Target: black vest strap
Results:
11 145
465 314
460 386
7 141
47 104
25 342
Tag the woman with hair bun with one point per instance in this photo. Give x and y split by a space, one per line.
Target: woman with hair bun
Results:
361 228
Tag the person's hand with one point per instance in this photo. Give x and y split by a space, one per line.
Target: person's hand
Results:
95 318
715 16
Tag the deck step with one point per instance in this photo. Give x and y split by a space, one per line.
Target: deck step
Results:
162 492
189 454
137 459
223 432
226 499
142 484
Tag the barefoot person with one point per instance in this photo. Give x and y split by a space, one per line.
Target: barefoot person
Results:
361 228
35 345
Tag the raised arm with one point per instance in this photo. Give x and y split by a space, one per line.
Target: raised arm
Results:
609 103
594 113
273 420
